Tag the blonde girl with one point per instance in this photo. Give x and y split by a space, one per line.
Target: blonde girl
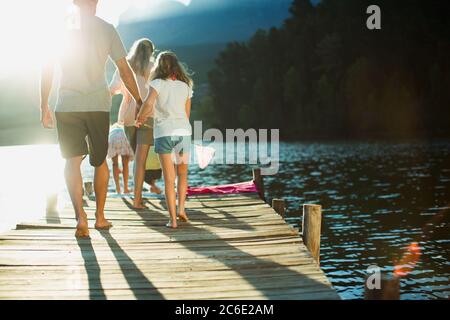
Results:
172 91
141 139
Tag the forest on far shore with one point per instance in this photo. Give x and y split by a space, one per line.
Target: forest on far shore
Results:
324 74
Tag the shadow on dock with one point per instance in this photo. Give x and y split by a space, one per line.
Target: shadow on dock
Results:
228 217
92 267
294 282
131 272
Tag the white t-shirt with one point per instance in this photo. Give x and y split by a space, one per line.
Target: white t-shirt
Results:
127 111
170 118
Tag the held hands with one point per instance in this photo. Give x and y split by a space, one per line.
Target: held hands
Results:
46 117
147 109
140 119
144 110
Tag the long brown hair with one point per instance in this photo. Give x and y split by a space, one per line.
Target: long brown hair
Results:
140 56
167 66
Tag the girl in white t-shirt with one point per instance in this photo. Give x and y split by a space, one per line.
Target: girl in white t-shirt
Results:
141 139
172 91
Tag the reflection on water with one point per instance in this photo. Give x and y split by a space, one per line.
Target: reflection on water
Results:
29 174
377 200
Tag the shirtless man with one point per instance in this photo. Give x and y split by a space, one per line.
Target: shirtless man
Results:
84 103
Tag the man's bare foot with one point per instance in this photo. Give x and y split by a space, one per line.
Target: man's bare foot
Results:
183 217
82 233
103 224
155 189
127 190
82 228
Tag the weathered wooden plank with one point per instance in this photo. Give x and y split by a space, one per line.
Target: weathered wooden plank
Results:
177 266
242 265
154 214
184 228
119 224
27 273
124 261
158 236
155 254
307 283
133 280
145 294
144 250
125 203
7 245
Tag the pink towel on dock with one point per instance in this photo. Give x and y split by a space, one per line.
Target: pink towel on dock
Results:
241 187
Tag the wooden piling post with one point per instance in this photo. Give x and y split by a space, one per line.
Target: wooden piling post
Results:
279 205
389 288
311 228
259 181
88 189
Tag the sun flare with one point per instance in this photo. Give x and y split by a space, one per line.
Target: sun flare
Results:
24 192
30 30
26 27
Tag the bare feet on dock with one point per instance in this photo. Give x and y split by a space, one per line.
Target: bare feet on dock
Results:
138 204
127 190
82 227
155 189
172 224
82 233
103 224
183 217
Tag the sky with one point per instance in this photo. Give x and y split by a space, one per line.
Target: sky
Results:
27 27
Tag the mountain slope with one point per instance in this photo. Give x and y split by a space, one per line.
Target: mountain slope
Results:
207 21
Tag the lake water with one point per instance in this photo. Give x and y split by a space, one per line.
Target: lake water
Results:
377 199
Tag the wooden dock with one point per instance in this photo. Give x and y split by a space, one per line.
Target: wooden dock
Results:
235 247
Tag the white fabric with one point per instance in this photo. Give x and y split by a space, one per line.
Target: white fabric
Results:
204 155
170 108
118 144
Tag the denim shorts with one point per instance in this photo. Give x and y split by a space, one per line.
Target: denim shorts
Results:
179 144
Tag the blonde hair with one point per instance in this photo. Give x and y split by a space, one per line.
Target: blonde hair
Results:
140 56
167 66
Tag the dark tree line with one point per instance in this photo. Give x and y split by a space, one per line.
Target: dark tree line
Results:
324 74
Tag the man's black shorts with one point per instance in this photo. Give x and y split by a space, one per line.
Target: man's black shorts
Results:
73 129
